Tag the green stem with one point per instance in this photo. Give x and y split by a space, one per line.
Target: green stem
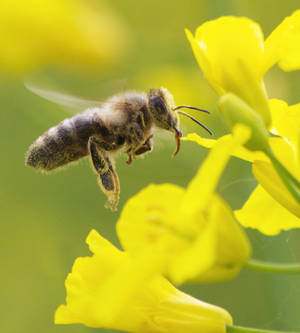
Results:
241 329
273 267
291 183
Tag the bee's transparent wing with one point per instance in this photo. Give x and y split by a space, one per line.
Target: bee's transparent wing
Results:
65 100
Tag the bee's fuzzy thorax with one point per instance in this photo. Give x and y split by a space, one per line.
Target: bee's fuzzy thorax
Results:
168 97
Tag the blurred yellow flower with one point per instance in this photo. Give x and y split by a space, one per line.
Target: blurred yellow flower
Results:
270 208
234 57
191 234
37 33
93 298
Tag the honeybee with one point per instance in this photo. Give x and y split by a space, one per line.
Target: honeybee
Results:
123 122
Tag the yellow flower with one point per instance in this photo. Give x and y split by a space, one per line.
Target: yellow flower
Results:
35 33
234 57
283 44
270 208
155 306
285 121
191 233
282 211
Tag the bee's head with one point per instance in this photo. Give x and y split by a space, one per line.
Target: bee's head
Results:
161 105
165 113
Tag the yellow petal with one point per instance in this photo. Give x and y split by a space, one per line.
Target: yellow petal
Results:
204 63
239 151
286 154
178 312
285 120
185 313
269 179
207 143
151 222
144 218
190 264
225 40
283 45
263 212
298 150
203 185
271 207
230 52
64 316
224 243
98 244
233 248
86 278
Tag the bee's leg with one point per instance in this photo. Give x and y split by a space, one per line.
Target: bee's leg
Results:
129 154
108 178
145 147
136 138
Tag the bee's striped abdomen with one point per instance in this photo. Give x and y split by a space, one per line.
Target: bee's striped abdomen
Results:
64 143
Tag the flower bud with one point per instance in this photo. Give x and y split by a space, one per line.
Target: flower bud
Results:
236 111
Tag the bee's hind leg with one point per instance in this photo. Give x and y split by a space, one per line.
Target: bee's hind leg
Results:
108 178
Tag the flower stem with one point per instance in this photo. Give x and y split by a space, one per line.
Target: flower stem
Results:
272 267
241 329
291 183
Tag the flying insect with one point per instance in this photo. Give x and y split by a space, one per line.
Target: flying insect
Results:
125 122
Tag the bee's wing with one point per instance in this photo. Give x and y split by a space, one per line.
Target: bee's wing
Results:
66 100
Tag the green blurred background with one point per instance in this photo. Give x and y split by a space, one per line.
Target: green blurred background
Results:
45 219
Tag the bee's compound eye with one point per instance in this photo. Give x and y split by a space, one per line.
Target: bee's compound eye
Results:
158 105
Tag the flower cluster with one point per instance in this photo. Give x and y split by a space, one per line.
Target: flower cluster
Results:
174 235
234 65
191 236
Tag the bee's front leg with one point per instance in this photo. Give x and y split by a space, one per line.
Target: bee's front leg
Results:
145 147
129 154
138 144
108 178
142 149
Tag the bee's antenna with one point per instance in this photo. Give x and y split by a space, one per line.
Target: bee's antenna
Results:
196 121
190 107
